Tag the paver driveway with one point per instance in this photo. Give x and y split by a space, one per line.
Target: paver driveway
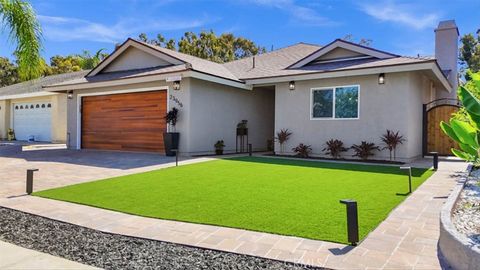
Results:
65 167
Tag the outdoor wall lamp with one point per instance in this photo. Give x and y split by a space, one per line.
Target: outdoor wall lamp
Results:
291 85
70 94
176 85
381 78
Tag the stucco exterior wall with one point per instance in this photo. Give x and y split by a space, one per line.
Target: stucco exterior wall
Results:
215 110
59 118
133 58
207 112
4 108
395 105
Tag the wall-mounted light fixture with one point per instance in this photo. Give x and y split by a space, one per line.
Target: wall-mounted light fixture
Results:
291 85
70 94
176 85
381 78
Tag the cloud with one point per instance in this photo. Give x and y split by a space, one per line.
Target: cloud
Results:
301 14
69 29
398 13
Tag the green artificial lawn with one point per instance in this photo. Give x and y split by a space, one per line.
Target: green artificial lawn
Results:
281 196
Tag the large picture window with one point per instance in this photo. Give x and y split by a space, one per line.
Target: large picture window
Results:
339 102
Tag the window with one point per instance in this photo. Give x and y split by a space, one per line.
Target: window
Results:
341 102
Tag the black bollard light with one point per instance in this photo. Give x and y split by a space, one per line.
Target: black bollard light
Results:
409 171
352 220
176 156
30 180
250 149
435 160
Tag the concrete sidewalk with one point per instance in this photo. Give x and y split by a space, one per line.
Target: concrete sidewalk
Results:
15 257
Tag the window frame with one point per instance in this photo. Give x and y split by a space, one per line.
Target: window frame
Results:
334 102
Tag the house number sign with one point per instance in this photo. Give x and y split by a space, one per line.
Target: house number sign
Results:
176 100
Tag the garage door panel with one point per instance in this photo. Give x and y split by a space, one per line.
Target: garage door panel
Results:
32 119
129 122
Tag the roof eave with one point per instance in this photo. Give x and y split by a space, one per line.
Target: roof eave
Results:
426 65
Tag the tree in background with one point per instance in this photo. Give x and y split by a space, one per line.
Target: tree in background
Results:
208 45
8 72
470 54
19 18
74 62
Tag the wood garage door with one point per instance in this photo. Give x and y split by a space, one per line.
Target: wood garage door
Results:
127 122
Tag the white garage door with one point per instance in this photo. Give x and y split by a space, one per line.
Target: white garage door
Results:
33 119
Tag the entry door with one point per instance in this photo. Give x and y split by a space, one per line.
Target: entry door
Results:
33 119
126 122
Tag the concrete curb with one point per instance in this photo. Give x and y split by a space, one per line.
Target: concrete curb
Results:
456 249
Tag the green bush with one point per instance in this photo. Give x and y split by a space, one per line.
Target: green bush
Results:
466 131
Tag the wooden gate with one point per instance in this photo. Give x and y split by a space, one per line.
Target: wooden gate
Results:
434 140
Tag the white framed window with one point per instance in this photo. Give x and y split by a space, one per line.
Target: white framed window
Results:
336 102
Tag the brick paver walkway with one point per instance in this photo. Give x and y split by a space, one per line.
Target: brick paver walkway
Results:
407 239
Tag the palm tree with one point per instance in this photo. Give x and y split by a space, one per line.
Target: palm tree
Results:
19 17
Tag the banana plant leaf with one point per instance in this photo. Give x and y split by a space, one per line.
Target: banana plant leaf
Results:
465 132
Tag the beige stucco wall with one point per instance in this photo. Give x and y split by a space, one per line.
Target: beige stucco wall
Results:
215 110
4 115
133 58
207 112
395 105
59 118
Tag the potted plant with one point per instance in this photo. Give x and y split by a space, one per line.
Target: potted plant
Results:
219 145
171 137
242 129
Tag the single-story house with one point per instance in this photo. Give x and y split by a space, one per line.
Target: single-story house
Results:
342 91
34 113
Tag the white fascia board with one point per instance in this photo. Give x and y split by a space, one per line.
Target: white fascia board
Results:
142 47
344 45
28 95
215 79
346 73
151 78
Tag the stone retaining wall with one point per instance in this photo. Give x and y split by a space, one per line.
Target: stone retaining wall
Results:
455 248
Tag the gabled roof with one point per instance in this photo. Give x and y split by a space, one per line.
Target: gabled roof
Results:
35 86
297 60
173 57
273 61
366 52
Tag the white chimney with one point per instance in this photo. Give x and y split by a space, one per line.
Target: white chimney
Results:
446 53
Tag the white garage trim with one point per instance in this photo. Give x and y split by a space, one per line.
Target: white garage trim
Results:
113 92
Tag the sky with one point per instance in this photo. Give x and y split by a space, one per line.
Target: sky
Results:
401 27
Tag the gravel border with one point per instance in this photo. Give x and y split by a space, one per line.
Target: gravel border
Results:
112 251
466 214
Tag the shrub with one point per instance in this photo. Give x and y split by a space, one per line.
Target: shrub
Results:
334 148
364 150
219 145
391 140
465 131
302 150
282 136
171 117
